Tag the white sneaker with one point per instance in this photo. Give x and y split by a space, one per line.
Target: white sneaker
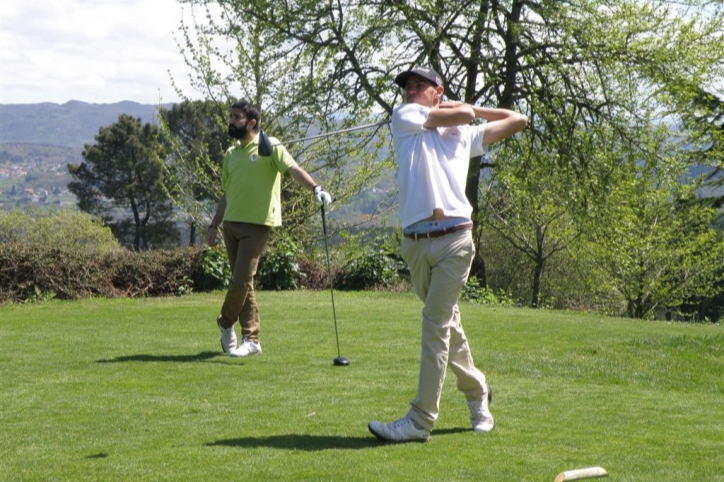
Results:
480 417
402 430
247 348
228 338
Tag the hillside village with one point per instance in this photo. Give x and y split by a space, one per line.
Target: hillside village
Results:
40 179
36 149
13 172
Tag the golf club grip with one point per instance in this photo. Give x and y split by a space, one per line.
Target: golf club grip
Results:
579 474
324 225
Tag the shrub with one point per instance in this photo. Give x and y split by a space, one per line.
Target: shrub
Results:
60 227
153 273
278 268
316 276
36 273
473 291
32 272
375 266
213 271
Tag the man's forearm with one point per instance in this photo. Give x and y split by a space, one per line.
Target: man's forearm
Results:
449 114
490 114
302 177
487 113
219 215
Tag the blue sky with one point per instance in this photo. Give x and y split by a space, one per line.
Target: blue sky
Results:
96 51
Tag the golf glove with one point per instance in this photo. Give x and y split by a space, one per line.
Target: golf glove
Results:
323 197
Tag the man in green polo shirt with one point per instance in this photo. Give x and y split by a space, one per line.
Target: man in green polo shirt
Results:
249 208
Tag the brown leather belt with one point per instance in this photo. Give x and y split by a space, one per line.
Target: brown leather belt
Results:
438 233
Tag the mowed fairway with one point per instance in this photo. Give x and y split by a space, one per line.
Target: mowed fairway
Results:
138 390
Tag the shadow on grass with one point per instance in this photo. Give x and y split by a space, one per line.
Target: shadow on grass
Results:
101 455
310 443
314 443
204 355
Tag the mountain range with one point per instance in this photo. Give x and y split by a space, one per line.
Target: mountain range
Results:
72 124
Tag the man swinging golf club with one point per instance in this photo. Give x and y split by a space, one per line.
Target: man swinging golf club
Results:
249 208
433 143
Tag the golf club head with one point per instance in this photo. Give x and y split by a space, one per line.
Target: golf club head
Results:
341 361
265 147
490 394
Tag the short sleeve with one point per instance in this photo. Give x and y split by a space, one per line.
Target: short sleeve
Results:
281 158
408 119
476 142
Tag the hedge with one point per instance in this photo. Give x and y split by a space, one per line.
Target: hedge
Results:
29 272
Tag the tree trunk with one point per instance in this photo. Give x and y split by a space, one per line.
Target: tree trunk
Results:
537 282
192 235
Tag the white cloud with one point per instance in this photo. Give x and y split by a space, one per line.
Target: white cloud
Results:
98 51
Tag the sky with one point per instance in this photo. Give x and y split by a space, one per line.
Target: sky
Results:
95 51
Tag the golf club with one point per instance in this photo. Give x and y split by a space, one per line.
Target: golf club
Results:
265 145
340 361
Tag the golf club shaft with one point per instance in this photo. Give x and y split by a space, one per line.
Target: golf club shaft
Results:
329 272
332 133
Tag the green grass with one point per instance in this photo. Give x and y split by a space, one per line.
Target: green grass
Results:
137 390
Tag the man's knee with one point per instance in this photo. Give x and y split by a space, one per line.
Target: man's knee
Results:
242 285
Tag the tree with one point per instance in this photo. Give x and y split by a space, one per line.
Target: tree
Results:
522 202
656 247
704 117
585 71
263 66
194 136
121 180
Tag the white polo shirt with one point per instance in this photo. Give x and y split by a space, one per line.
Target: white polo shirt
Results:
432 164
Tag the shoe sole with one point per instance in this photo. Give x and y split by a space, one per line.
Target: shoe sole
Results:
485 431
245 356
383 439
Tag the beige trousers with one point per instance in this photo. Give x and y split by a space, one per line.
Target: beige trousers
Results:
245 244
439 268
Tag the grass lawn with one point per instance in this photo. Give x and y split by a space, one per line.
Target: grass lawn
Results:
137 390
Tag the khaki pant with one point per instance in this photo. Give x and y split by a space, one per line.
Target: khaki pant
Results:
439 269
245 244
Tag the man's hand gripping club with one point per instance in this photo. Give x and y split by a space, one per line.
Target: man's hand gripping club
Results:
322 196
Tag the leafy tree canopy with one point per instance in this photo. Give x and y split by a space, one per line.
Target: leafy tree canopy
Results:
590 74
121 181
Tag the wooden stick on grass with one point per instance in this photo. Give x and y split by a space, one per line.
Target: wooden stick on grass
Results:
578 474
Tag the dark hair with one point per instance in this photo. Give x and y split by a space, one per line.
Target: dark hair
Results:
250 112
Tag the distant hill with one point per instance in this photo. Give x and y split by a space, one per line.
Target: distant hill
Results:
72 124
37 141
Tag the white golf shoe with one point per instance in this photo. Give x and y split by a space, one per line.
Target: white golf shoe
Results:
228 338
247 348
480 417
402 430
